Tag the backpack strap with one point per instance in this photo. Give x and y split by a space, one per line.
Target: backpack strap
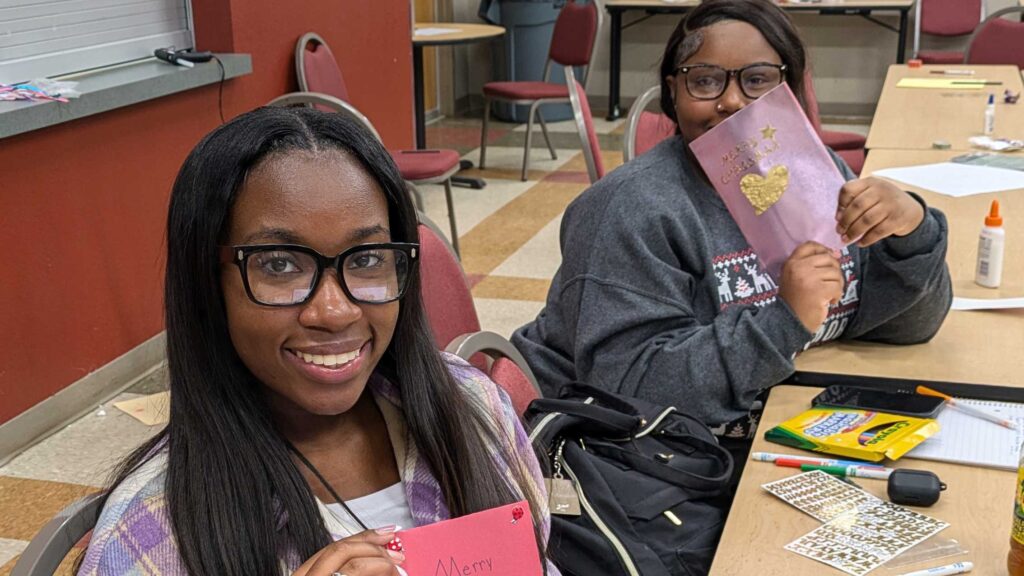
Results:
588 417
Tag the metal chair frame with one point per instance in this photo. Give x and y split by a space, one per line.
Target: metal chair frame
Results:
633 121
993 16
494 346
55 539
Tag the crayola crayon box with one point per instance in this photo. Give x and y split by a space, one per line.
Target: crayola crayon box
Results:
851 433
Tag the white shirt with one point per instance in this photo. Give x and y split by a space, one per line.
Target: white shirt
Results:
383 508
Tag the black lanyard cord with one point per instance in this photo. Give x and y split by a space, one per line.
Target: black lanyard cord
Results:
305 461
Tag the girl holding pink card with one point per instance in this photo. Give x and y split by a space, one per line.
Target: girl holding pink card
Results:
311 412
661 295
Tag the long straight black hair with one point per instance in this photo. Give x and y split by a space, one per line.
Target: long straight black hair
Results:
770 20
230 477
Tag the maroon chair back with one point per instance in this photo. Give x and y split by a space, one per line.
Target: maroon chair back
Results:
651 130
950 17
999 41
322 71
520 390
446 295
572 42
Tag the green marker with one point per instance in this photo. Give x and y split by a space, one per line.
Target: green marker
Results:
855 471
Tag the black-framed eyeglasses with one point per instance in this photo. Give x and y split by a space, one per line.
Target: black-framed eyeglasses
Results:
288 274
708 82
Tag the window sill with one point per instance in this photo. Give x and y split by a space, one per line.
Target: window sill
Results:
118 86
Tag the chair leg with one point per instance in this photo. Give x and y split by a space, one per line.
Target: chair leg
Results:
544 129
483 133
451 216
529 139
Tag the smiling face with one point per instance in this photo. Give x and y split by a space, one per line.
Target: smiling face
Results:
731 45
315 357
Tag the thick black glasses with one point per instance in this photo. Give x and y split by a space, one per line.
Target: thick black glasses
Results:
287 274
708 82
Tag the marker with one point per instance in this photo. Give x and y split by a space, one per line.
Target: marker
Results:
954 72
976 83
855 471
796 463
948 570
772 457
952 403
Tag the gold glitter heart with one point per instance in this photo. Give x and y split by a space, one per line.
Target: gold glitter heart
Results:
764 192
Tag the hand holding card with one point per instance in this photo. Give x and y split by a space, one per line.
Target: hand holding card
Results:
495 542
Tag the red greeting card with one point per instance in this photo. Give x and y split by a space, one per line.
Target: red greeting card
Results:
495 542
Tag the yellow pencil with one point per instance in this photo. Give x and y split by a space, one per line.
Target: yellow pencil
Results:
952 403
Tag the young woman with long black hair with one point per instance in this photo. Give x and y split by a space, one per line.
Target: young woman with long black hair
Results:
311 411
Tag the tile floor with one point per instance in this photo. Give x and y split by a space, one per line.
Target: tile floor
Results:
509 240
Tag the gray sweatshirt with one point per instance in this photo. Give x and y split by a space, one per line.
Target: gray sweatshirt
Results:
659 296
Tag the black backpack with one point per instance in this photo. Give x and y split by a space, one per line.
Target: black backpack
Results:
652 484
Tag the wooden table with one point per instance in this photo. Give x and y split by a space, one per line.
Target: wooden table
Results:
863 8
461 34
914 118
974 347
978 505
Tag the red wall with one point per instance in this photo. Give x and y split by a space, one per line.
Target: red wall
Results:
83 204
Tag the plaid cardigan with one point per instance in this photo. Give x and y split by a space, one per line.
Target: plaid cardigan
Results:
133 536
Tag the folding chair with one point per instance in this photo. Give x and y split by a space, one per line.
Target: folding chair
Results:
573 44
945 18
318 72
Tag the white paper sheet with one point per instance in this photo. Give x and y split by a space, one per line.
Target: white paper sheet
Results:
435 31
956 180
986 303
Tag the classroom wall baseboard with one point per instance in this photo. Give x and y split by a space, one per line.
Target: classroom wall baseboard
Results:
40 421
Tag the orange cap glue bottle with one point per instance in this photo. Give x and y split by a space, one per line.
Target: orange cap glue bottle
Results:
991 244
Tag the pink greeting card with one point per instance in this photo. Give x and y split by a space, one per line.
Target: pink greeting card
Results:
495 542
775 176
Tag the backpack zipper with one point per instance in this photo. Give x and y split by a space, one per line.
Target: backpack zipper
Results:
624 557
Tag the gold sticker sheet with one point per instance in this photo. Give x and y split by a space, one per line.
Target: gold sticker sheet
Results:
860 533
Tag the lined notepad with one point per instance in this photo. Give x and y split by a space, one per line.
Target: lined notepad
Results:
964 439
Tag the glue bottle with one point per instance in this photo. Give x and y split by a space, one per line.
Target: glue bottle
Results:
990 115
990 249
1015 559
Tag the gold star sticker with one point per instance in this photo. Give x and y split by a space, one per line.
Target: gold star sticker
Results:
768 132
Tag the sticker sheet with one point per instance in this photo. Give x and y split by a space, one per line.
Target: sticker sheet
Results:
860 533
821 495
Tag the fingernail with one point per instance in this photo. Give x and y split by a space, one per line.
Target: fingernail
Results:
396 556
845 239
386 529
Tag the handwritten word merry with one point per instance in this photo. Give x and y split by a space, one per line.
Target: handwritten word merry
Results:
456 569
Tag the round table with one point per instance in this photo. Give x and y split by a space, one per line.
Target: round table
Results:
460 34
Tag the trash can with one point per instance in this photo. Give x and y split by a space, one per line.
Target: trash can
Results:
529 25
